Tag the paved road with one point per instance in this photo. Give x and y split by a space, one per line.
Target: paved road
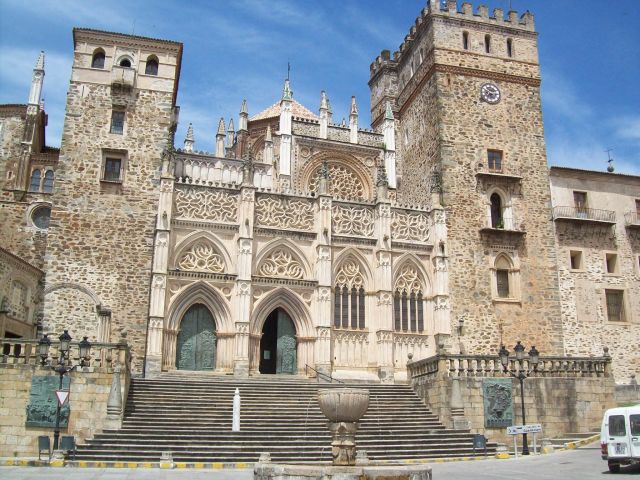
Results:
582 464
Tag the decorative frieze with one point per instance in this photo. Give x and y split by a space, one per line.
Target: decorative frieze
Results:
352 220
206 204
410 226
284 213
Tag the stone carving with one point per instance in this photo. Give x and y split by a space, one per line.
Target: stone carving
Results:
352 221
351 336
441 303
280 263
411 340
407 280
384 298
439 217
498 402
41 410
213 205
284 213
344 183
202 257
410 226
325 203
349 275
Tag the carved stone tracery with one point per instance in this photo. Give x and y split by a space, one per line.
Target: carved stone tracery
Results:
214 205
284 213
407 280
349 275
280 263
344 182
201 257
410 226
349 220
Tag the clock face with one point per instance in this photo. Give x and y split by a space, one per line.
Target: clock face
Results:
490 93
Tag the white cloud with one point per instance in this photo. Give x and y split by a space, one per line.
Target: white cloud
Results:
628 128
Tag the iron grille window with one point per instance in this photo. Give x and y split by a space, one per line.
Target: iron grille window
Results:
34 185
112 168
502 283
349 307
408 312
117 122
494 158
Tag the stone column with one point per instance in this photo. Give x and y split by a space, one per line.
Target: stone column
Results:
441 307
323 310
241 357
384 286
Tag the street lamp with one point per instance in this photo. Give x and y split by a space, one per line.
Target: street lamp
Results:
520 374
63 367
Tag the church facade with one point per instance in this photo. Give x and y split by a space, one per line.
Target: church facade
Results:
299 246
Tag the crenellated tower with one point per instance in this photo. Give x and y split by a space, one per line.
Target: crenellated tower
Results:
464 90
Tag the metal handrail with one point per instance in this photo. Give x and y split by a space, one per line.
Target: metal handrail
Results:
308 367
583 213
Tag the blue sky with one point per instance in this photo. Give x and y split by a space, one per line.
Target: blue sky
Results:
589 52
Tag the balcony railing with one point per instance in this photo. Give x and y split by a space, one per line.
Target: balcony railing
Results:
632 219
580 213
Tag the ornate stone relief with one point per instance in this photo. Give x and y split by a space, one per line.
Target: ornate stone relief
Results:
280 263
410 226
324 295
202 257
411 339
214 205
352 221
407 280
384 336
344 183
441 303
349 275
351 336
384 298
284 213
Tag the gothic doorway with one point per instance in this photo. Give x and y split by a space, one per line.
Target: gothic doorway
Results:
278 344
196 345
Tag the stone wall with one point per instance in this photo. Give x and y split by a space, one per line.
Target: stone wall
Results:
628 394
88 400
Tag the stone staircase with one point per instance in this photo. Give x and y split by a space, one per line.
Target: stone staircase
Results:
190 416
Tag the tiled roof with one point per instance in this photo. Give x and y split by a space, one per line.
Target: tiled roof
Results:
297 110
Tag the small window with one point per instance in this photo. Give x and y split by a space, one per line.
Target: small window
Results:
638 208
487 43
509 48
494 158
617 428
112 169
634 421
615 305
576 259
465 40
152 66
125 62
41 216
497 220
611 262
502 279
97 61
117 122
34 185
580 203
47 186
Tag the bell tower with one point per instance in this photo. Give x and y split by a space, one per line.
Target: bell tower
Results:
465 91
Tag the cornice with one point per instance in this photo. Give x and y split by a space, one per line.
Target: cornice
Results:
100 36
20 264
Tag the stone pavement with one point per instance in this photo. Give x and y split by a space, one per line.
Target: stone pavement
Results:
580 464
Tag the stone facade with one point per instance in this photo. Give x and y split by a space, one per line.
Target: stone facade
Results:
599 255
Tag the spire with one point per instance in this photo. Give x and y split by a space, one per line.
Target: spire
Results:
324 101
189 140
267 137
267 156
324 114
353 121
244 117
231 131
220 139
354 107
36 86
287 94
388 114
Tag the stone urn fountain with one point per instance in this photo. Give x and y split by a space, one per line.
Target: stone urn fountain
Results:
344 407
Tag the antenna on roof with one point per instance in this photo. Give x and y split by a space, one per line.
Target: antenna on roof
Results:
610 168
288 70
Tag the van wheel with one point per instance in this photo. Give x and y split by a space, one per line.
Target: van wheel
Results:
614 467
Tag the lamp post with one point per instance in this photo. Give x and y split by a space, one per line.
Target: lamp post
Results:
520 374
63 366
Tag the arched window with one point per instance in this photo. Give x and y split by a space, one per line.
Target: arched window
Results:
34 185
408 308
47 186
349 298
503 274
125 62
465 40
497 220
152 66
509 47
97 61
487 43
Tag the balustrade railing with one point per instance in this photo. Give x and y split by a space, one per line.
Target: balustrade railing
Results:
581 213
209 171
632 218
17 351
449 365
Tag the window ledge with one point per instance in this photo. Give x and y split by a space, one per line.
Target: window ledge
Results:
506 300
577 270
117 182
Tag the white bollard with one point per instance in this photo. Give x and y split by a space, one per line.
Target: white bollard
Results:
235 427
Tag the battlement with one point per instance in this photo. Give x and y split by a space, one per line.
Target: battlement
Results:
449 10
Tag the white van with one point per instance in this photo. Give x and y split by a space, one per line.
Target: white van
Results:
620 437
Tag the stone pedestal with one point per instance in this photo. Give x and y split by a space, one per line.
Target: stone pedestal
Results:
343 446
271 471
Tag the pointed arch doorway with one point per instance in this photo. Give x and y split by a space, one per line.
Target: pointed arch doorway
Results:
196 343
278 344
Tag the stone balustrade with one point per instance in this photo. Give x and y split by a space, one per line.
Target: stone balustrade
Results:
449 365
211 171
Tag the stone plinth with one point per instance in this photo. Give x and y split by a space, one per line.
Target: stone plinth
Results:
270 471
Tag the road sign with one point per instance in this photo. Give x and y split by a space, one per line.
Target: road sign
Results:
519 429
63 396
